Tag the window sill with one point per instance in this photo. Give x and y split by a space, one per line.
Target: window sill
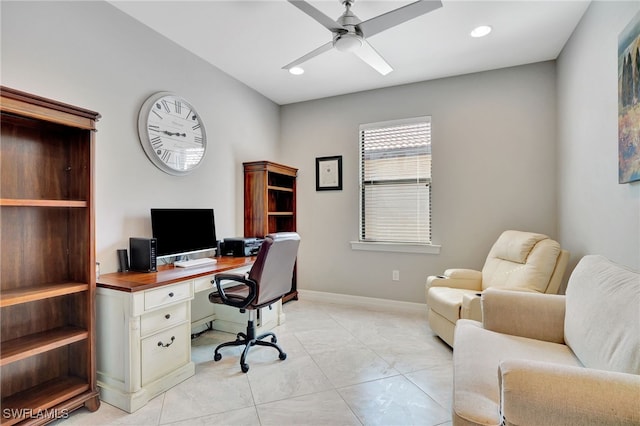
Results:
395 247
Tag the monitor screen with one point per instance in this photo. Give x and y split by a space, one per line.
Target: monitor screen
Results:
183 231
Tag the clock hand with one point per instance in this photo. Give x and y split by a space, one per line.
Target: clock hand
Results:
174 134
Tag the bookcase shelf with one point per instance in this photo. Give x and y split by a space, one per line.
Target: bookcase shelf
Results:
33 344
47 258
37 404
41 203
31 294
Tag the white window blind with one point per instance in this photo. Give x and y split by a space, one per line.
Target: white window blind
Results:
395 181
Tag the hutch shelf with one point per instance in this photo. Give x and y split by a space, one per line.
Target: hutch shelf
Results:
47 259
270 203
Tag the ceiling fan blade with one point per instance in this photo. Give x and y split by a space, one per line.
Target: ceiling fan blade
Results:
323 19
313 53
398 16
369 55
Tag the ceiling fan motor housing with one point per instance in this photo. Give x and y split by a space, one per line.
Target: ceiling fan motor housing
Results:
351 39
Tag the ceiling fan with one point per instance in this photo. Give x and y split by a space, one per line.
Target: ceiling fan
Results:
349 33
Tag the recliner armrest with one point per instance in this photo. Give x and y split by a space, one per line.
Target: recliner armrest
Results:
471 307
467 279
535 393
533 315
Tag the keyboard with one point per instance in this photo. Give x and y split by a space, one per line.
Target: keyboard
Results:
194 262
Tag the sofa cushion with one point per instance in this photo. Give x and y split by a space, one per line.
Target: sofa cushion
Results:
447 301
602 321
476 389
521 261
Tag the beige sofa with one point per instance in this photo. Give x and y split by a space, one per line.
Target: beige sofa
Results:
540 359
518 260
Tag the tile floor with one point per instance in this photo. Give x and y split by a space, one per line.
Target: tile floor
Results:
345 366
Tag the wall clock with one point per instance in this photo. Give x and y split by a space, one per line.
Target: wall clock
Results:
172 133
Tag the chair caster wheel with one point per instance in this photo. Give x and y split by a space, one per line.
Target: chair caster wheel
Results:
244 368
282 356
217 357
274 340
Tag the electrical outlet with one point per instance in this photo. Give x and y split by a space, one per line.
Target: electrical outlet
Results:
395 275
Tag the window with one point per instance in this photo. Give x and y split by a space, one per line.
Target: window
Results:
395 181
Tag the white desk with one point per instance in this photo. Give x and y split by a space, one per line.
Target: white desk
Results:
144 323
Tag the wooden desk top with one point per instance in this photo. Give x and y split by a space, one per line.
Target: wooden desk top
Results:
168 274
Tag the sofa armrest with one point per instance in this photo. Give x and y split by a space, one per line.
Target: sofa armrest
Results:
467 279
471 307
533 315
536 393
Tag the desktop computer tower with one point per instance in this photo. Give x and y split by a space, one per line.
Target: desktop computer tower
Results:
143 254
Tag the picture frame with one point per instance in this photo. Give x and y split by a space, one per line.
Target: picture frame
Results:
329 173
629 102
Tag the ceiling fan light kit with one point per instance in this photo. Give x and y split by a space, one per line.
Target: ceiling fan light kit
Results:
348 42
349 33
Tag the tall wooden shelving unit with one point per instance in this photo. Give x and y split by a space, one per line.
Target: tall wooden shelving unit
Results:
47 259
270 203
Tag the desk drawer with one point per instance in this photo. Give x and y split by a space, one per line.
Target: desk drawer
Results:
163 318
164 352
166 295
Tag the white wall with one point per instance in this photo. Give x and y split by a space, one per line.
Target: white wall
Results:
494 168
92 55
596 213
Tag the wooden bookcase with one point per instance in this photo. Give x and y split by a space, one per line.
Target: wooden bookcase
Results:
47 259
270 203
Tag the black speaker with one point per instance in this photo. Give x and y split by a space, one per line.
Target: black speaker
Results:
143 254
123 260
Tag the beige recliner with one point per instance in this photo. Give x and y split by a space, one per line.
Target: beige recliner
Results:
524 261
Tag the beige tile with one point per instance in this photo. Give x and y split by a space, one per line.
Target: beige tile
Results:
292 377
345 365
241 417
352 365
437 383
324 408
110 415
213 389
393 401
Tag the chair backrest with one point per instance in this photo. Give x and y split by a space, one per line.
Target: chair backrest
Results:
601 321
525 261
273 268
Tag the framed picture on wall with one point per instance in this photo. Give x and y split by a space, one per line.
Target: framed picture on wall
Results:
629 102
329 173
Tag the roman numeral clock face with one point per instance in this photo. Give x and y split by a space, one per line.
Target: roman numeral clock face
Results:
172 133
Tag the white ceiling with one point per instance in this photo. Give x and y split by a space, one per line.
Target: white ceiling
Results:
253 40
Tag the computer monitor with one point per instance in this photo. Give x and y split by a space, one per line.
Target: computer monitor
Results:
183 231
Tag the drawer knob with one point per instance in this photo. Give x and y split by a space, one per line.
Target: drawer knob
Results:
167 316
171 294
167 344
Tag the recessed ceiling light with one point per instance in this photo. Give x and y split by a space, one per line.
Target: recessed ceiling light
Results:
296 70
481 31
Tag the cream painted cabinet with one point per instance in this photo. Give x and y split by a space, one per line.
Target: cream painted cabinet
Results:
144 343
144 324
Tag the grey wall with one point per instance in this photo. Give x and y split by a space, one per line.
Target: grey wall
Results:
494 168
596 214
497 160
92 55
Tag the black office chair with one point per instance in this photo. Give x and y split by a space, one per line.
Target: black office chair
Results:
268 280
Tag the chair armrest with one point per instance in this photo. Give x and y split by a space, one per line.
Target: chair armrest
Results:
467 279
533 315
536 393
234 300
471 307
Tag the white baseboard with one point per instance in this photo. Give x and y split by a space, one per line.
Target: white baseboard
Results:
367 302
